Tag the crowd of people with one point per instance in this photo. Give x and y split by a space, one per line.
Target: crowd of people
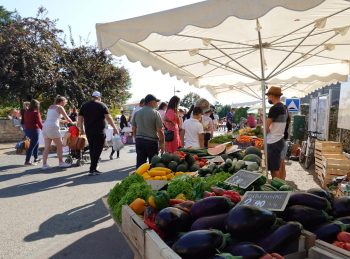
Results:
156 127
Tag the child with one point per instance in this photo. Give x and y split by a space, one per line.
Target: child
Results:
112 153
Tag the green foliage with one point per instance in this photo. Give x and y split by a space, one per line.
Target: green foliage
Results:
223 110
7 17
135 190
36 63
241 113
180 184
214 179
189 99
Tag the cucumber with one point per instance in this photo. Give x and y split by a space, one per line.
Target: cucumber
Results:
268 188
260 181
285 188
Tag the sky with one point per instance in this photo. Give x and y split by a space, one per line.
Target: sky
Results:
82 15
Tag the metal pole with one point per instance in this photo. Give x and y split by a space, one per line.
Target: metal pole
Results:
263 90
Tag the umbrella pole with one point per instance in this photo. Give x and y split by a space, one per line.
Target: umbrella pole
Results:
263 89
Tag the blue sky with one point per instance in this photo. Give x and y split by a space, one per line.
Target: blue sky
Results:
83 15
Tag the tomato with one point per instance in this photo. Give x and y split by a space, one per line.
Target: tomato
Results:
344 236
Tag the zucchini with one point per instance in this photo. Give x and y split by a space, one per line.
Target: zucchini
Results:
285 188
278 183
268 188
260 181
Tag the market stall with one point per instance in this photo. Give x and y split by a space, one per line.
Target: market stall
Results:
222 194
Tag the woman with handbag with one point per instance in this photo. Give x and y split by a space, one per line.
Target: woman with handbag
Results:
32 126
51 131
171 126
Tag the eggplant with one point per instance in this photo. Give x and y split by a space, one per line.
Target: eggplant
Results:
185 206
308 217
345 220
200 244
310 200
246 250
246 222
341 206
172 220
321 193
328 232
210 206
210 222
281 237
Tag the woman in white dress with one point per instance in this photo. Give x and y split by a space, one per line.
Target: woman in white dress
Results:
51 130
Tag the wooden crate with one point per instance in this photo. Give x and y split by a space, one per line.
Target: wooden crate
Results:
329 147
156 248
134 229
297 249
323 250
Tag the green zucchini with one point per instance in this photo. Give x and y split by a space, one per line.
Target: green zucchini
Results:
268 188
278 183
285 188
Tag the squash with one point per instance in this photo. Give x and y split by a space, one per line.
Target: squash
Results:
143 168
138 206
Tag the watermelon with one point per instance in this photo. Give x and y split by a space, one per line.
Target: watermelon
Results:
215 151
252 158
253 150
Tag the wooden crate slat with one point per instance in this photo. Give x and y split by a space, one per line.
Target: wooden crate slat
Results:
155 248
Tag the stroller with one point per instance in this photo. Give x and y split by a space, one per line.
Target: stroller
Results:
77 147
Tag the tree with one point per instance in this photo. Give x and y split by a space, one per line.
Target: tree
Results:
85 69
29 48
223 110
189 99
6 17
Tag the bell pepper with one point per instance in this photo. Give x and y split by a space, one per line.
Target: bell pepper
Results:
150 220
343 236
217 190
181 196
208 194
161 199
232 195
175 201
343 245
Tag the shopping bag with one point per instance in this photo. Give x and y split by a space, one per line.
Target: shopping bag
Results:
117 143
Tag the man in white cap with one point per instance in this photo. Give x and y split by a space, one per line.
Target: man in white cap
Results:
93 115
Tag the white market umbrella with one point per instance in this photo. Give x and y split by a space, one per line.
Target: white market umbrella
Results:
229 42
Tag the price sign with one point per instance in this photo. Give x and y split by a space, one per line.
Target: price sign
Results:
243 178
276 201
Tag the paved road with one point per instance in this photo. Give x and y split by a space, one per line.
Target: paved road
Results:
59 213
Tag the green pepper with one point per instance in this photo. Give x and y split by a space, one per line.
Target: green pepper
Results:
161 199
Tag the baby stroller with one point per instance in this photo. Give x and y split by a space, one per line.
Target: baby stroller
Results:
77 147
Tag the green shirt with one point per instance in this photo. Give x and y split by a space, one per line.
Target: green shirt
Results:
147 121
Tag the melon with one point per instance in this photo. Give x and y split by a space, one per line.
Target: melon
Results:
252 158
253 150
215 151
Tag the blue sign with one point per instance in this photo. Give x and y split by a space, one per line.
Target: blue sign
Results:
293 104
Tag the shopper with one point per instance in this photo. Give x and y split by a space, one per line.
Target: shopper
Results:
93 115
137 108
162 108
208 127
193 132
172 123
251 121
74 114
25 107
51 130
230 119
148 131
275 127
123 121
216 120
32 126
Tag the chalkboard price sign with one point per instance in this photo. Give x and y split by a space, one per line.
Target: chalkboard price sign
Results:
276 201
243 178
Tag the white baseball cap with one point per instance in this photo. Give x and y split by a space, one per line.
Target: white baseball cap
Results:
96 94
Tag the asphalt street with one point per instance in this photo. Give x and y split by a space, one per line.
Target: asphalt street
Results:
58 213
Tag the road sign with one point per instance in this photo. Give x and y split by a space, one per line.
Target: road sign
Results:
243 178
293 104
276 201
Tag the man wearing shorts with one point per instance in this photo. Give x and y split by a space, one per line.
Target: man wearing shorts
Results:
275 127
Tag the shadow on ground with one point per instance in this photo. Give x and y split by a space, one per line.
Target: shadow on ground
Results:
63 181
105 243
77 219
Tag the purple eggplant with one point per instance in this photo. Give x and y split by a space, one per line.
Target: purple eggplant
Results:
172 220
200 244
248 222
210 206
310 200
341 206
281 237
321 193
328 232
246 250
210 222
